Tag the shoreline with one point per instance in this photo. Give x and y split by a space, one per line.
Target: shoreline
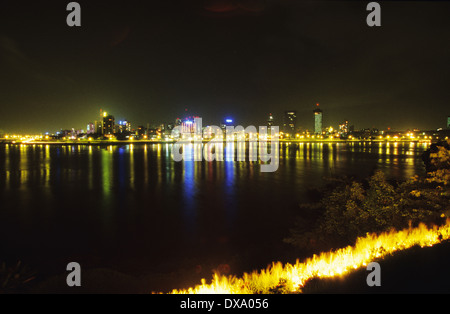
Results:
145 142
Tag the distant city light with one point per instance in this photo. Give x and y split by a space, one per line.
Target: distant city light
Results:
228 120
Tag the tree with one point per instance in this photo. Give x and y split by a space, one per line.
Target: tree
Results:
353 208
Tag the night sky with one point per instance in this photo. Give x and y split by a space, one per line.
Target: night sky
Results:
149 61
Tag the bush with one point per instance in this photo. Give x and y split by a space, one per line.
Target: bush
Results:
353 208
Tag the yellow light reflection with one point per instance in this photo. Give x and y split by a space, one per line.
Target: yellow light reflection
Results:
335 263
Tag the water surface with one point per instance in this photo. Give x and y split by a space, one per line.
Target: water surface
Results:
134 207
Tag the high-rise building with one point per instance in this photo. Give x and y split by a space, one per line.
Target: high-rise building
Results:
166 128
270 120
289 121
226 122
123 126
98 126
191 126
141 131
108 124
448 122
344 128
318 122
90 129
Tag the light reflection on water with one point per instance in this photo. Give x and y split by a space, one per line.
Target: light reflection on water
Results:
134 200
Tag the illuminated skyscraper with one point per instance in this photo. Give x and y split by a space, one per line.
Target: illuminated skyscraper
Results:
318 124
123 126
90 129
108 124
191 126
270 120
343 128
290 118
226 122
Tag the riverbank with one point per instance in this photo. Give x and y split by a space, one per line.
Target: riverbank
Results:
146 142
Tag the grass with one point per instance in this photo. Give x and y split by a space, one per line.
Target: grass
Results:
413 271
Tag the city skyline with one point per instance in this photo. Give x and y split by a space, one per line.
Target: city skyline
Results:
243 59
287 124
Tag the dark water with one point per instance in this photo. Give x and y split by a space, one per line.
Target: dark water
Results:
132 207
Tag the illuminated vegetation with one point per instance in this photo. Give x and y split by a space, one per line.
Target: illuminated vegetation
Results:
369 212
290 278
